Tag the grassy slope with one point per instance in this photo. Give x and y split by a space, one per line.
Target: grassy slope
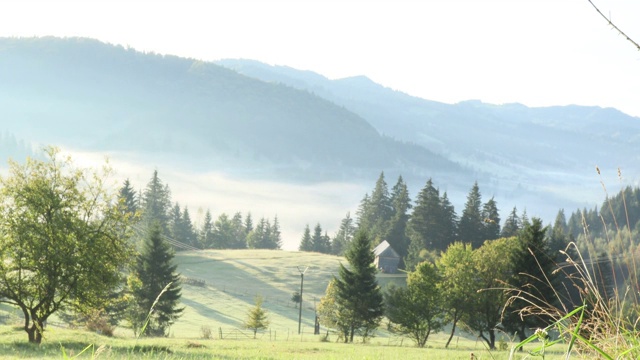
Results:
234 277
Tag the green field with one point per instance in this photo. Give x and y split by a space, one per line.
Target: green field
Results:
220 288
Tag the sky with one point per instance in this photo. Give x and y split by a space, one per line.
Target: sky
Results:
534 52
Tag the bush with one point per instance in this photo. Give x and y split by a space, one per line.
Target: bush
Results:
205 332
98 322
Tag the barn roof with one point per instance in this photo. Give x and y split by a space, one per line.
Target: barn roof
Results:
385 248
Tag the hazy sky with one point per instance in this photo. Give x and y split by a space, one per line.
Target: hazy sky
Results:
536 52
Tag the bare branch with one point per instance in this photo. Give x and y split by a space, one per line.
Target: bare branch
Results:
614 26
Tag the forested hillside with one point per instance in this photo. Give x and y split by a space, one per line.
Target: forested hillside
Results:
94 96
547 155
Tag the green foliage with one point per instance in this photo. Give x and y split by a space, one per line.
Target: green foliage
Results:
471 227
492 267
156 203
154 269
331 314
512 225
417 310
64 239
257 318
376 211
396 233
533 274
343 237
357 290
265 235
458 285
432 224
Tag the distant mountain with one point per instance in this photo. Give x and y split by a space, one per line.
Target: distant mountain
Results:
550 151
90 95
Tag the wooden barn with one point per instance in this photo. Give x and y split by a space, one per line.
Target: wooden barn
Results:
387 259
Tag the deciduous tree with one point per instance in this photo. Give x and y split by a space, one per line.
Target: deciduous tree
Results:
63 239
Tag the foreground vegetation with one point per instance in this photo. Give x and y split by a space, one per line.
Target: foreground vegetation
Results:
73 342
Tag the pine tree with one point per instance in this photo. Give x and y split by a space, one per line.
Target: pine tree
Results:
376 211
396 234
318 242
358 292
158 280
491 220
471 227
206 233
156 203
342 239
239 232
187 231
305 243
127 195
512 225
558 239
533 267
223 234
257 318
275 236
431 226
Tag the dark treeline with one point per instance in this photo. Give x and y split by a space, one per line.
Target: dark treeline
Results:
153 205
417 230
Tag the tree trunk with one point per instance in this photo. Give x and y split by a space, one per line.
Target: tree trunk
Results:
453 331
351 333
492 339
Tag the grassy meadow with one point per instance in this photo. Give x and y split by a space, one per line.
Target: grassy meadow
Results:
219 289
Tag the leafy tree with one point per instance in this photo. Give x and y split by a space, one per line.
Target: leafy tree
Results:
343 237
417 309
332 315
306 244
512 225
492 268
257 318
158 288
471 227
63 239
358 293
396 234
458 284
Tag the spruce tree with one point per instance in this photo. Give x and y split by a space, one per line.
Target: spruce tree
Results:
156 203
158 280
343 237
396 234
491 220
512 225
358 293
127 195
318 242
533 268
431 226
206 233
471 227
305 243
239 232
376 211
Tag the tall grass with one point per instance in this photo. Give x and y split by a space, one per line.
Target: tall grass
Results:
606 325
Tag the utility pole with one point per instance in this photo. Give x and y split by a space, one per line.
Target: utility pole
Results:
301 286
